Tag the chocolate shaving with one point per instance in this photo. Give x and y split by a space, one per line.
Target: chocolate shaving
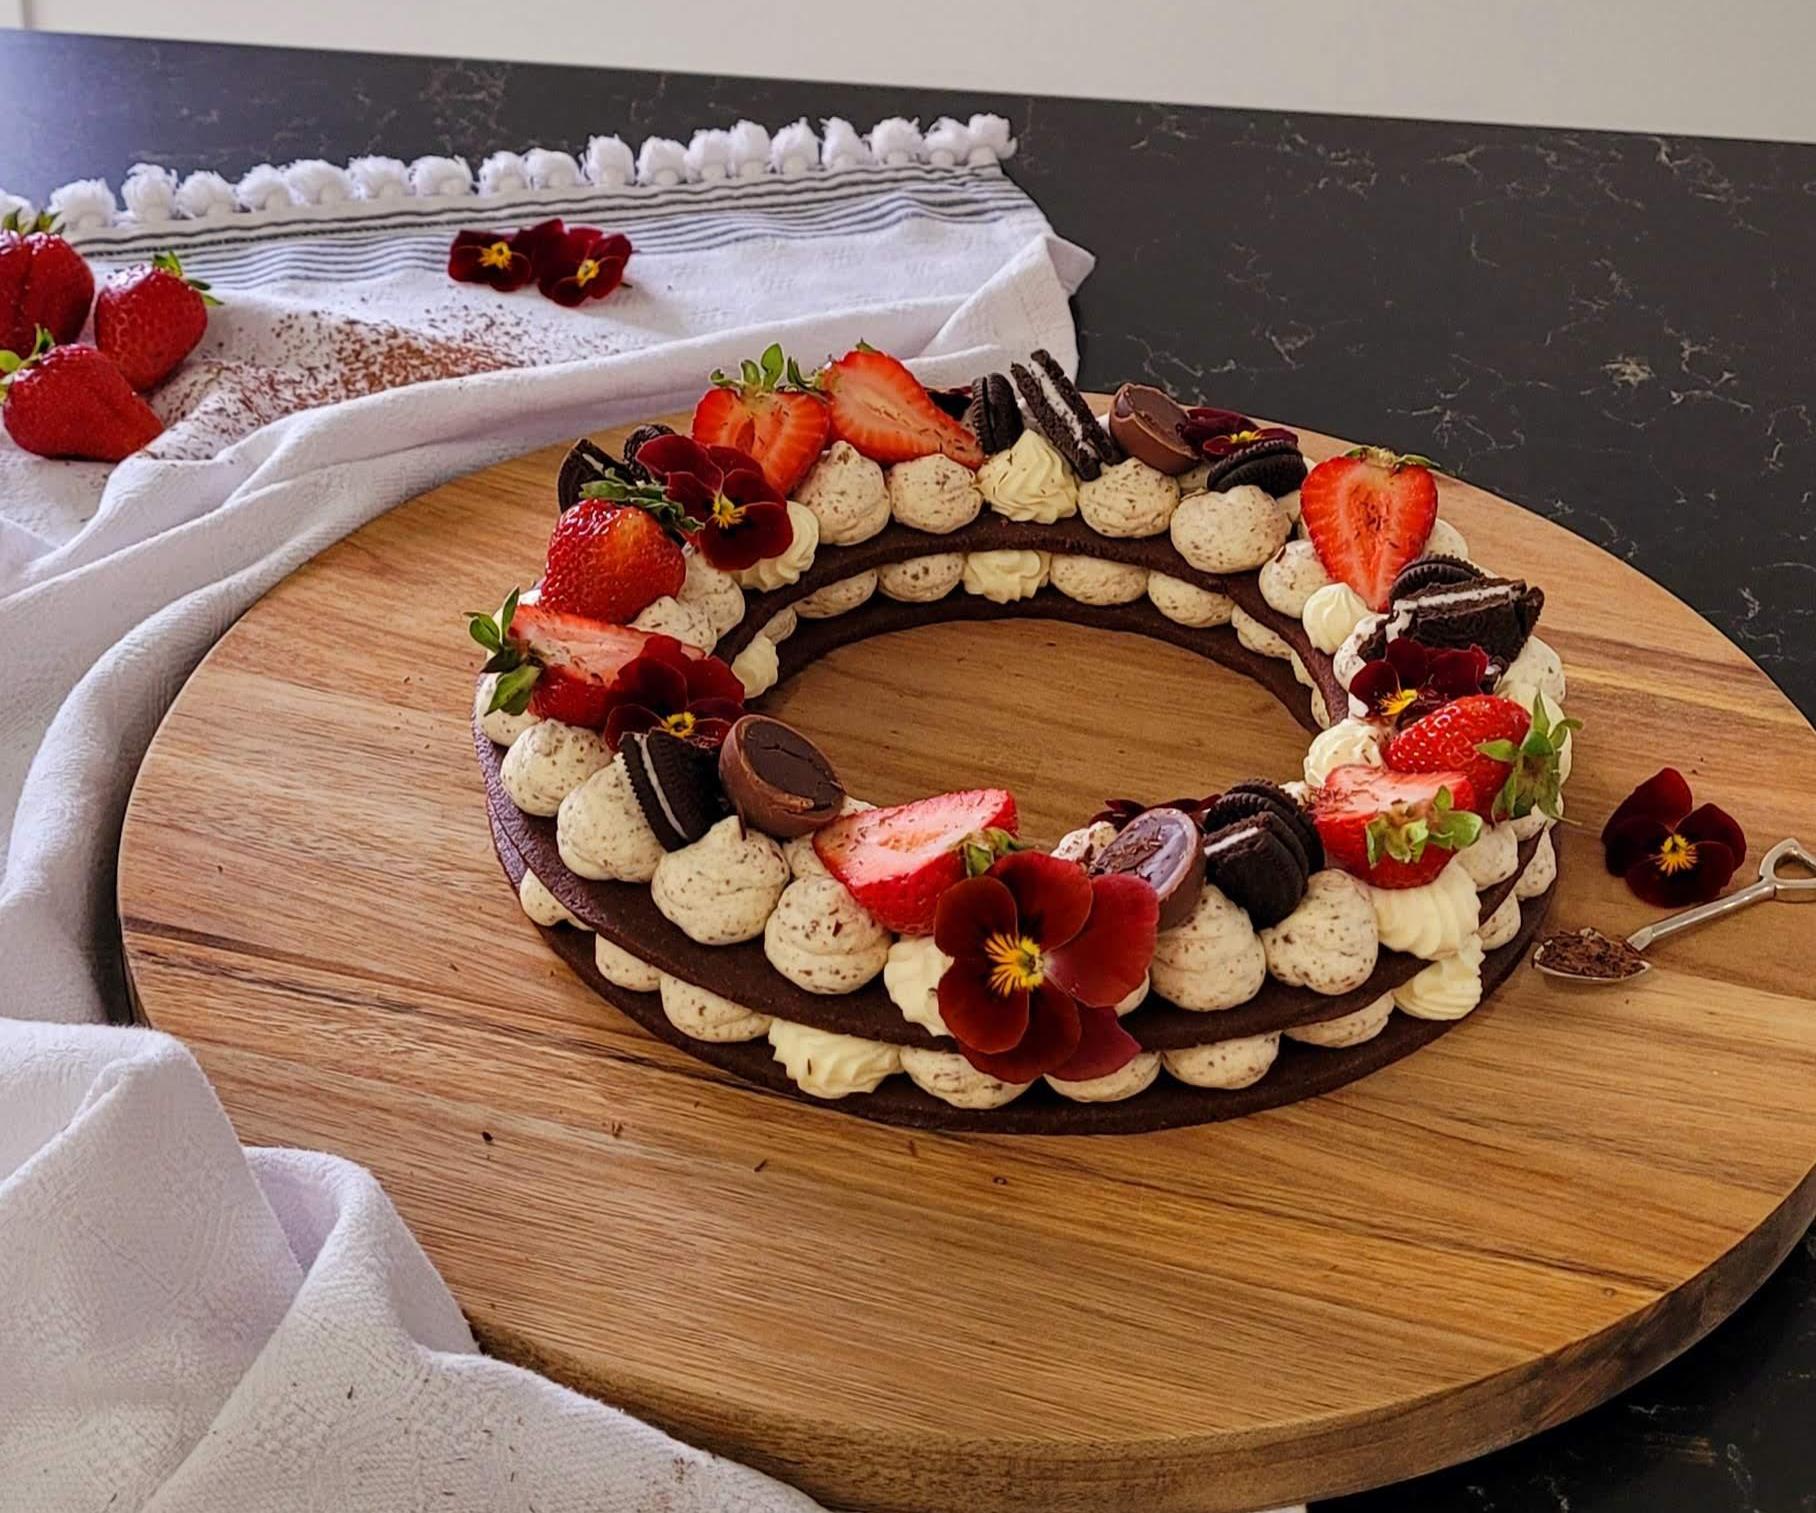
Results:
1588 953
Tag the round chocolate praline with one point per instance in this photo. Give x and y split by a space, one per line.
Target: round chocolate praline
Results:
1145 422
778 781
1163 847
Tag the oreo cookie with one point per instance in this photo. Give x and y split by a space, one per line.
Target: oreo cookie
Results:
587 463
1255 864
993 415
1496 614
1434 572
954 401
1275 466
1060 414
677 785
1258 796
637 438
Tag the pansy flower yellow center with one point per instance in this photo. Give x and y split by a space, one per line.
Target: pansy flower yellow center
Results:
1243 436
586 272
725 513
1393 703
680 724
1015 964
498 255
1675 855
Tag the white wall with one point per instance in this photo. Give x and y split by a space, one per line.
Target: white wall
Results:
1739 68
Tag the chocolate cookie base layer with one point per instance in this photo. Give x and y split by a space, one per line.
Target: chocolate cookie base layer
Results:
1071 537
1300 1071
625 913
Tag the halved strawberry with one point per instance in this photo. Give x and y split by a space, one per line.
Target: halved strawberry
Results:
882 410
532 644
1394 829
898 861
1368 513
768 411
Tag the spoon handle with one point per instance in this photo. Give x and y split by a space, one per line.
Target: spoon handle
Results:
1702 914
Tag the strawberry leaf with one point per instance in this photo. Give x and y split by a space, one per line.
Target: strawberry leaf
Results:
512 691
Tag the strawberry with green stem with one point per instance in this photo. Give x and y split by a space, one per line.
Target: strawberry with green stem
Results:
72 402
1393 829
770 411
148 319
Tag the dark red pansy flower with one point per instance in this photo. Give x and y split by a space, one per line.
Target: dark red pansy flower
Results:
1217 433
743 518
1119 812
1041 955
585 263
489 257
539 242
1411 679
1671 853
696 698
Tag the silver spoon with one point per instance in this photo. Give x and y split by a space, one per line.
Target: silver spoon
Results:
1770 885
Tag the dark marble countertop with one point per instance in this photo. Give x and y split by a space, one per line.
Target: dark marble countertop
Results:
1607 328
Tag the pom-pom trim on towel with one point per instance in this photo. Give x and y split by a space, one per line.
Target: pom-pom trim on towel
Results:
154 195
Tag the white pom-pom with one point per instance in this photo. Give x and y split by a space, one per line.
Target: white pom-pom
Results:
86 205
13 205
948 143
662 160
609 163
843 147
380 178
263 188
504 173
709 155
990 140
550 169
897 141
796 150
441 177
150 192
205 196
749 150
314 182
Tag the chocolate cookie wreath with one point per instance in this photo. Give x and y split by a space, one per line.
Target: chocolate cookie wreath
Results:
701 866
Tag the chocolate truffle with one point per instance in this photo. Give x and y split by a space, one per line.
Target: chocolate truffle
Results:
778 781
1162 848
1145 422
676 783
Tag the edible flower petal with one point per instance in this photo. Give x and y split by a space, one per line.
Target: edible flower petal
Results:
584 264
1409 680
1039 950
1218 433
662 688
742 519
488 257
1670 854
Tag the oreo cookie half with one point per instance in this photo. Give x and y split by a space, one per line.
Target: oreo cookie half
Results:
1258 795
1496 614
677 785
993 415
1060 414
1436 571
637 438
1090 430
1276 467
586 463
1255 867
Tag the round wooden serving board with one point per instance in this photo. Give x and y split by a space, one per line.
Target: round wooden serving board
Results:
1476 1242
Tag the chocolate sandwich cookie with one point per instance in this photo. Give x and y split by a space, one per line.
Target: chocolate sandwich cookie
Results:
586 463
1433 572
777 780
955 401
1256 865
637 438
1257 796
1060 414
1496 614
676 783
1275 466
993 415
1145 422
1163 848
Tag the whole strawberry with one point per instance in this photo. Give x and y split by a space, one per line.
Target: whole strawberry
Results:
610 558
44 283
149 319
1467 735
72 402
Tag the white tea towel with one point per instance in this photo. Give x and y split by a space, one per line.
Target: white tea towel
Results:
192 1328
119 582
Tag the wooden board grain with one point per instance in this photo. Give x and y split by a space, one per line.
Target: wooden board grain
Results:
1483 1239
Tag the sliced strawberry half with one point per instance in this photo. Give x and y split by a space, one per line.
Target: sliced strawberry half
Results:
1394 829
1368 514
768 411
883 410
564 661
898 861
